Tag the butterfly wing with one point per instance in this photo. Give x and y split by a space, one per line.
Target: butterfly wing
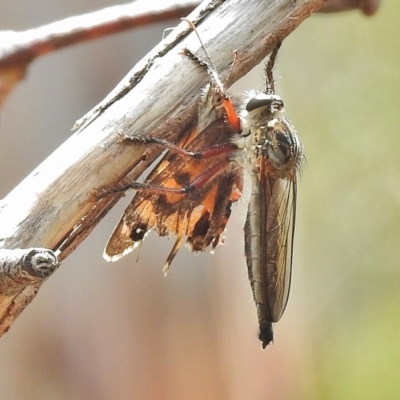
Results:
200 215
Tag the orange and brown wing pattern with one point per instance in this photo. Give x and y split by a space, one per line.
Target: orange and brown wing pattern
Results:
199 215
188 196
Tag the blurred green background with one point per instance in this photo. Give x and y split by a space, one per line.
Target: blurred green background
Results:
122 331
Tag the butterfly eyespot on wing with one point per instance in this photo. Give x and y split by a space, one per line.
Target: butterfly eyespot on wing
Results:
139 232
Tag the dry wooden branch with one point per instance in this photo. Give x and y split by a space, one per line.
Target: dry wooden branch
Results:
20 268
54 208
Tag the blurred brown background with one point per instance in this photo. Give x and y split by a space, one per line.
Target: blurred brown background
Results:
123 331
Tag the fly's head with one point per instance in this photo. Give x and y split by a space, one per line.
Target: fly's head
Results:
263 107
258 109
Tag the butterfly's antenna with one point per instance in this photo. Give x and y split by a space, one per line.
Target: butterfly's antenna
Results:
269 68
211 70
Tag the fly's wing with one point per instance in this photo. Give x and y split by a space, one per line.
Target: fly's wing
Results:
200 215
269 232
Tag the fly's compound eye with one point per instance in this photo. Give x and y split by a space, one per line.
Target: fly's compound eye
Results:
256 103
265 104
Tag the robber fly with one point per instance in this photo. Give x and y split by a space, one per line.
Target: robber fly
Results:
190 192
273 155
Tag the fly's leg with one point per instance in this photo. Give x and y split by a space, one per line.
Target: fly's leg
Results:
210 152
199 182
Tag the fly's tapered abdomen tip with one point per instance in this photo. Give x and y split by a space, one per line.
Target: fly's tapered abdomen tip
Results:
266 334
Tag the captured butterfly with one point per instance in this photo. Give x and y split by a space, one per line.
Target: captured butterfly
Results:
190 192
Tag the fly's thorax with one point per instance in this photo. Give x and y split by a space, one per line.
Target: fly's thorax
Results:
280 145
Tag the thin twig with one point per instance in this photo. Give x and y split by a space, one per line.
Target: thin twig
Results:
22 47
19 49
368 7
